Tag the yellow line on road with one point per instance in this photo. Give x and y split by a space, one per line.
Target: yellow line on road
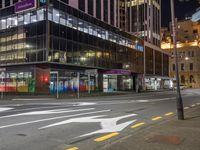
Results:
105 137
156 118
73 148
138 125
169 114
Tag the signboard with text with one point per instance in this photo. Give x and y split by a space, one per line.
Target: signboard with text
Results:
117 72
25 5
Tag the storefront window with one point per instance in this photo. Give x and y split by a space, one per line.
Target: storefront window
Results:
40 14
20 20
33 17
67 82
3 24
17 82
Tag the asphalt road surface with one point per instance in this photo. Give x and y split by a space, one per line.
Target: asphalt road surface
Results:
83 124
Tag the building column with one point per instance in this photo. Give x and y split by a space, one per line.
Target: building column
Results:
119 81
162 64
144 85
100 82
102 10
94 6
86 6
108 11
3 3
154 63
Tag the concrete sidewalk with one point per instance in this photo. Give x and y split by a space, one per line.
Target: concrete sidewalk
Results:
167 135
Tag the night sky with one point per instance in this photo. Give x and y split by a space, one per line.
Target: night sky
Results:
181 8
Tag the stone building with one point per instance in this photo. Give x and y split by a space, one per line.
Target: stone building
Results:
188 48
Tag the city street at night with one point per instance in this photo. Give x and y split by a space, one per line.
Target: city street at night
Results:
99 74
87 124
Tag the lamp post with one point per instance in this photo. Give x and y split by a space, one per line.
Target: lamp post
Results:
2 84
180 112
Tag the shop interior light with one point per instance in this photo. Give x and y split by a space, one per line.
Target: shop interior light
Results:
15 22
34 20
3 20
83 59
28 46
46 79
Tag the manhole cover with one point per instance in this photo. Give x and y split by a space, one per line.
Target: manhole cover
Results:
166 139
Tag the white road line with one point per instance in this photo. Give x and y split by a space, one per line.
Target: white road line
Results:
54 118
38 108
2 109
47 112
32 99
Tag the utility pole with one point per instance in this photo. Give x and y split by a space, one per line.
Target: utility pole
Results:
180 112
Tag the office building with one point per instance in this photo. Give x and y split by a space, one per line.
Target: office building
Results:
69 45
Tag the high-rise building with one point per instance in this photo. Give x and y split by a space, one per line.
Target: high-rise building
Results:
65 45
141 18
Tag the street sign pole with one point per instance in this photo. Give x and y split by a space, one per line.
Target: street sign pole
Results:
89 90
180 112
2 86
78 80
57 94
2 70
57 82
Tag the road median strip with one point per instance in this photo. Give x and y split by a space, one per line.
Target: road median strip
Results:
105 137
138 125
156 118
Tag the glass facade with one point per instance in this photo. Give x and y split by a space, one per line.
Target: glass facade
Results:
18 80
75 41
63 39
22 38
68 82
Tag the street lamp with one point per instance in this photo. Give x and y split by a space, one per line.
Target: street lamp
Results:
180 112
186 58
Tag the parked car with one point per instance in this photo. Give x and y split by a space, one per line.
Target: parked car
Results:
182 87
